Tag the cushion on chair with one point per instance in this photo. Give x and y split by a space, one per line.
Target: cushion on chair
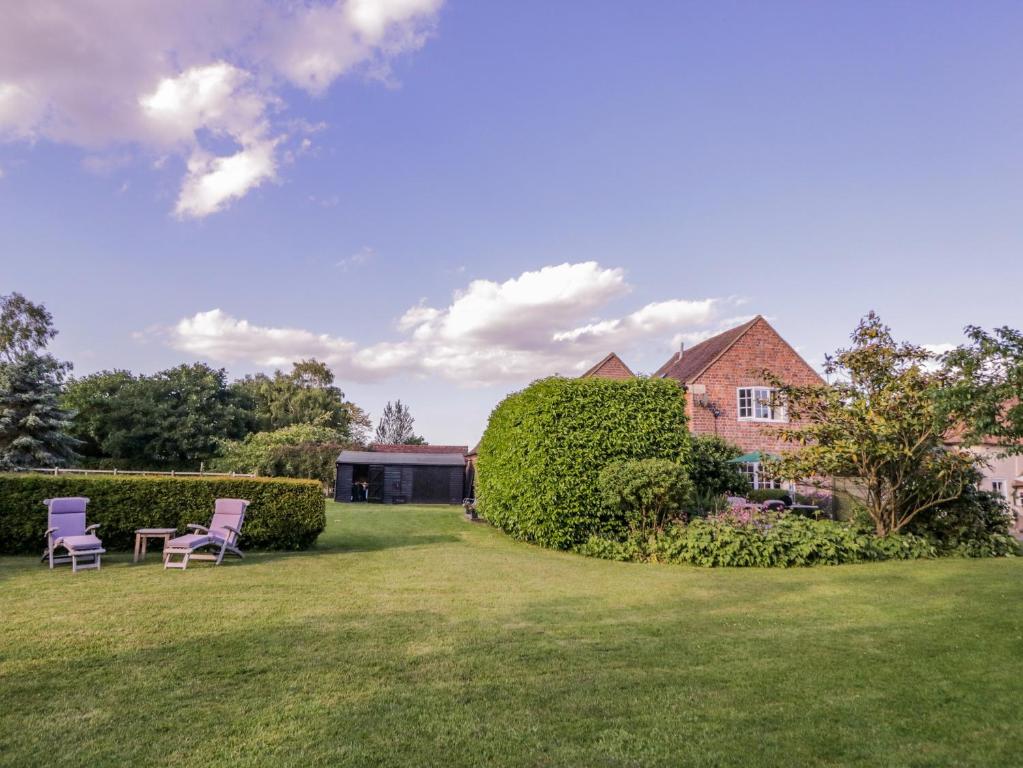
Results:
80 543
191 541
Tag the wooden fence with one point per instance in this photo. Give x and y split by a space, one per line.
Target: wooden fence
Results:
172 473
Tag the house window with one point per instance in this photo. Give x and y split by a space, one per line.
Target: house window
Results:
758 404
756 476
998 486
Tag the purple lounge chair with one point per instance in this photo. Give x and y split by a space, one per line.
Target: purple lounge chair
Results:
66 530
221 537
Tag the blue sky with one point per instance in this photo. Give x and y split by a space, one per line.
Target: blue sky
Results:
451 198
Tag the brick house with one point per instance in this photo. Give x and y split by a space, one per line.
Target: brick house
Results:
611 367
728 398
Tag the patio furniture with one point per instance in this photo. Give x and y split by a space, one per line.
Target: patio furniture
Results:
219 538
66 529
142 537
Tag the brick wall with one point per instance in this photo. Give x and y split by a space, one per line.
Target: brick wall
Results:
759 348
611 368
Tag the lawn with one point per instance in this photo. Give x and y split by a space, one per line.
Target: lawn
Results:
410 637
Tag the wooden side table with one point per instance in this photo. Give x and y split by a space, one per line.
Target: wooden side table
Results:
143 535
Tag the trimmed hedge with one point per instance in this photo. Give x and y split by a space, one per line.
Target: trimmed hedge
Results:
284 514
545 447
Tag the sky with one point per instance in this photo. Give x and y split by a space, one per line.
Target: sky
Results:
447 199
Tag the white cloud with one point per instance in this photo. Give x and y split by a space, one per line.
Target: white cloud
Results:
314 47
939 349
529 326
218 336
179 78
363 256
212 182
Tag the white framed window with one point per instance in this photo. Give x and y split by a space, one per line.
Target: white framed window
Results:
998 486
758 404
758 479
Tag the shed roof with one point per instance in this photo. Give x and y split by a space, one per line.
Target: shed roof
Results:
401 448
390 457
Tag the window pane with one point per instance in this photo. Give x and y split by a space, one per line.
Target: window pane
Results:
745 403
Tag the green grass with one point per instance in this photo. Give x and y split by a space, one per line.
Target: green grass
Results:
410 637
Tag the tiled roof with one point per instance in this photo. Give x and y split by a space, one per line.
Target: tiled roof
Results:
611 367
693 361
388 448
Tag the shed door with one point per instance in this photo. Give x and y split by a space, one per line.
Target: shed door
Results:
431 485
375 492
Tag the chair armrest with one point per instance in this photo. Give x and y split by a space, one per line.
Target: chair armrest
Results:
233 530
49 531
92 527
195 527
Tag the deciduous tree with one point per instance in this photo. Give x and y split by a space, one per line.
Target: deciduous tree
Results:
881 423
983 388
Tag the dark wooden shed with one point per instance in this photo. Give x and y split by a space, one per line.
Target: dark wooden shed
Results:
395 477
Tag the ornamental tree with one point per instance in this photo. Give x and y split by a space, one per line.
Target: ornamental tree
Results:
882 424
983 388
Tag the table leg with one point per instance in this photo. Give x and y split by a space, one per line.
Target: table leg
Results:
135 557
145 546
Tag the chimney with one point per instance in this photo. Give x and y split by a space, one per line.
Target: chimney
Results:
681 350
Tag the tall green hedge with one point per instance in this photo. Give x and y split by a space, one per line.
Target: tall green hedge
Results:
545 446
284 514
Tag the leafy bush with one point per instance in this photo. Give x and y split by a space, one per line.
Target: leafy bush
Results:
974 525
645 492
311 461
704 503
545 447
284 514
787 542
712 470
301 450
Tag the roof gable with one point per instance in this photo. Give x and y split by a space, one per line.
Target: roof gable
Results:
611 367
688 364
691 364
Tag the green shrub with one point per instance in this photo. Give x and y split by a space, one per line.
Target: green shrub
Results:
545 447
284 514
645 493
612 549
789 542
712 470
974 525
312 461
704 503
